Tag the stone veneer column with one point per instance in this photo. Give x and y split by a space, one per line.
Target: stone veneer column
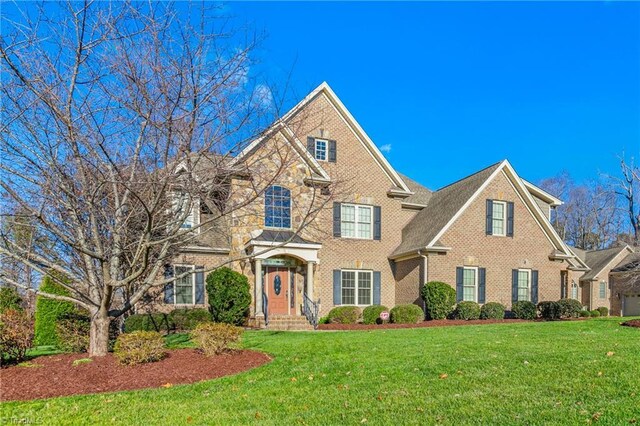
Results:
258 287
310 280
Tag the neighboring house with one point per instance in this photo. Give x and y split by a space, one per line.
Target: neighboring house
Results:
381 236
596 287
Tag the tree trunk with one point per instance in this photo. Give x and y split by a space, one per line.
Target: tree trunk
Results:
99 334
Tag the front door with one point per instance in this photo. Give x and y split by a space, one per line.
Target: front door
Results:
277 282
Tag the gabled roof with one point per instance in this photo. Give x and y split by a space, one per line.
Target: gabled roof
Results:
424 231
631 263
542 194
399 187
442 206
598 260
421 194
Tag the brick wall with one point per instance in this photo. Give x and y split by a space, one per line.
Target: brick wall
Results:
528 249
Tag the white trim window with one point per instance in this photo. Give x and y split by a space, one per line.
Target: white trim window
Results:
184 288
356 221
277 207
499 218
357 287
470 284
574 290
603 290
524 284
182 202
321 148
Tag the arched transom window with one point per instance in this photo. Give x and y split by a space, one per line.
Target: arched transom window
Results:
277 207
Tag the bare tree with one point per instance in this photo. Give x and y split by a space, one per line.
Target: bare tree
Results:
118 120
627 187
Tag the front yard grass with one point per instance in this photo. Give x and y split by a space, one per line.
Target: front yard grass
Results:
575 372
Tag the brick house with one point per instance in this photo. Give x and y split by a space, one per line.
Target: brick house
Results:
378 235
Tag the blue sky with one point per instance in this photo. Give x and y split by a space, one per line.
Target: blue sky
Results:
454 87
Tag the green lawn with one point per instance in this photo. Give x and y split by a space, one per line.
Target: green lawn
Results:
525 373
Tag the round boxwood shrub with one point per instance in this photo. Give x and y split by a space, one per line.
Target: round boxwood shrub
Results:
229 296
584 314
604 311
549 310
407 314
524 309
186 319
10 299
467 311
569 308
49 311
371 314
439 299
344 315
595 313
492 310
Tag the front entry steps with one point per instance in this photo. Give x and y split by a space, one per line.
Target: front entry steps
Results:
284 323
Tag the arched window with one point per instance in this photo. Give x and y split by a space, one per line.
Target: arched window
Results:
277 207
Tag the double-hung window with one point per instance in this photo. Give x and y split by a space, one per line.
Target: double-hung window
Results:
603 290
356 287
184 286
470 284
499 218
356 221
321 149
277 207
524 284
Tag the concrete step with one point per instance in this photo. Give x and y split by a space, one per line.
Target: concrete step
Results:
288 323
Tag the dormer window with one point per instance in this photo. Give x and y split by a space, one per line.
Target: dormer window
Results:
186 210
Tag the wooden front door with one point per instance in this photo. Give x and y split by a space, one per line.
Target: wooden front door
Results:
277 281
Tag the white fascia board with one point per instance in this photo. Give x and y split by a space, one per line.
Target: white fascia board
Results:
542 194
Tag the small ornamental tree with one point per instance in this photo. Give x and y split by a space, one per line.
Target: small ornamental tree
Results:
49 312
229 296
439 299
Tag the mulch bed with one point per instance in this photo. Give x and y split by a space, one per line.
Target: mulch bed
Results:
432 323
632 323
55 375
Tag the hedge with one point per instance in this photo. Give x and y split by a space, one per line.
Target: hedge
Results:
550 310
569 308
524 310
229 296
467 311
344 315
10 299
49 311
439 299
371 314
492 310
407 314
604 311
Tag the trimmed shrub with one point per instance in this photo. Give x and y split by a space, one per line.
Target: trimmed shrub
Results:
406 314
604 311
549 310
439 299
467 311
216 338
524 309
584 314
187 319
139 347
492 310
10 299
323 320
595 313
149 322
16 335
49 311
371 314
73 332
229 296
344 315
569 308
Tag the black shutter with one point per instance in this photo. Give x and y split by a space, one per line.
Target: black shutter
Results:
199 285
377 223
337 212
332 151
337 287
311 146
376 287
459 285
509 219
514 285
168 288
482 274
534 287
489 225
